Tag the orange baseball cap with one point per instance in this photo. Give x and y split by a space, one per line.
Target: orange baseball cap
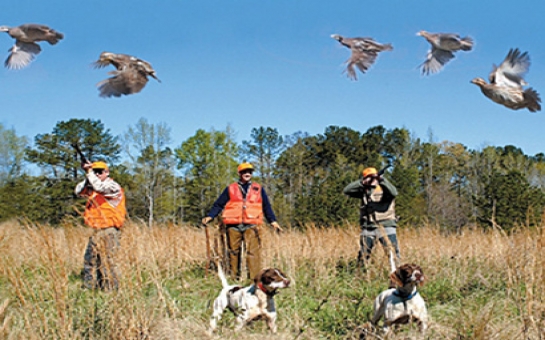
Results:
369 172
245 166
99 165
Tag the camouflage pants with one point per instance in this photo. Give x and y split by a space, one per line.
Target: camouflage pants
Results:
367 243
99 261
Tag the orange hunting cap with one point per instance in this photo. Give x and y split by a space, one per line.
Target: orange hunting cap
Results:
245 166
99 165
369 172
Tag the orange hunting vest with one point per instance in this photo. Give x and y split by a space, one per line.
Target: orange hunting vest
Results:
238 210
100 214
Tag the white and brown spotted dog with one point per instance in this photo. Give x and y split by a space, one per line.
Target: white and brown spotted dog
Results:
250 303
403 303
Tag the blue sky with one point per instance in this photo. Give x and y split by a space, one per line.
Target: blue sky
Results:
273 63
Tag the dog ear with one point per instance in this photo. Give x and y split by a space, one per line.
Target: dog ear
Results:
422 279
395 277
257 278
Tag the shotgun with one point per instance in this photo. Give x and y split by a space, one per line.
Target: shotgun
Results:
81 155
383 170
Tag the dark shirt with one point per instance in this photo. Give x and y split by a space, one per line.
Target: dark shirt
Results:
224 198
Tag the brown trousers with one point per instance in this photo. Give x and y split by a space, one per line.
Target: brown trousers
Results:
252 243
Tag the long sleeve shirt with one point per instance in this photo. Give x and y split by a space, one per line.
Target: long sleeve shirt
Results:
222 200
376 206
109 188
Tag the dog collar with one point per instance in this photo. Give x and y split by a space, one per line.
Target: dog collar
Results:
260 286
408 297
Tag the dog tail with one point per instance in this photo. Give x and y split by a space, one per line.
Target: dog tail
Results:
224 282
392 262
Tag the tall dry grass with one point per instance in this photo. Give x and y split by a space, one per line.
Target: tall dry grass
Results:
480 285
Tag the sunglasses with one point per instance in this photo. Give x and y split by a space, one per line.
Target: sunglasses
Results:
246 172
98 171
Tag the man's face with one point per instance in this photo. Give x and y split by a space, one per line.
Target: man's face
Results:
102 174
370 181
245 175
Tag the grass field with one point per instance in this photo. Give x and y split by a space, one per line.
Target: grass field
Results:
479 285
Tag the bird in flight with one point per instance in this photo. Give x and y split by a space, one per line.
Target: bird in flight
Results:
507 81
26 48
443 46
130 74
364 53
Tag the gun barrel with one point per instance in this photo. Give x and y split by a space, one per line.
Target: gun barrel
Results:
381 171
80 153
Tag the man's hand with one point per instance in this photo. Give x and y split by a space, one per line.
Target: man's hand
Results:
87 166
206 219
371 181
276 226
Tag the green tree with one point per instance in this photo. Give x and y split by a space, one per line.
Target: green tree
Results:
208 162
152 163
510 201
60 163
262 150
54 153
12 152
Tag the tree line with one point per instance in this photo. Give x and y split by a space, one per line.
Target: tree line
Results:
443 183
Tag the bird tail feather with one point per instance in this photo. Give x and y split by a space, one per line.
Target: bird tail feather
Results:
532 98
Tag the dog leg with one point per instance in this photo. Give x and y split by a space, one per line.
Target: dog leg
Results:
219 306
242 319
271 321
423 326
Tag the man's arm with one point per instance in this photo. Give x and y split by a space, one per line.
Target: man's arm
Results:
388 186
109 188
354 189
219 204
267 208
80 188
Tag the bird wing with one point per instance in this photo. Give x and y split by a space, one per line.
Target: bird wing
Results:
113 87
136 79
360 59
368 44
512 70
21 55
435 60
146 67
125 82
101 63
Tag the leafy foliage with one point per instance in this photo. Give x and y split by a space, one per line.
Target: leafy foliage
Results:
443 183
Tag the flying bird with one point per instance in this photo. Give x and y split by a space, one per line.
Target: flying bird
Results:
506 82
26 48
130 76
364 53
443 46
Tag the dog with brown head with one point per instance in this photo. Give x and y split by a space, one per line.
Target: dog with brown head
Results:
252 302
402 304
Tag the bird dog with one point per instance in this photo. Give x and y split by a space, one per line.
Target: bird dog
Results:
402 303
252 302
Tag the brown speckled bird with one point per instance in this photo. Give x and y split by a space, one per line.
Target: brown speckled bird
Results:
506 82
130 76
364 53
25 49
443 46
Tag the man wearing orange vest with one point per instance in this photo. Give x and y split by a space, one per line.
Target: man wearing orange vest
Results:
243 203
105 213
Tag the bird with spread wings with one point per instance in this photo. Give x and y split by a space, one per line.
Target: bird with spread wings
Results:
507 81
